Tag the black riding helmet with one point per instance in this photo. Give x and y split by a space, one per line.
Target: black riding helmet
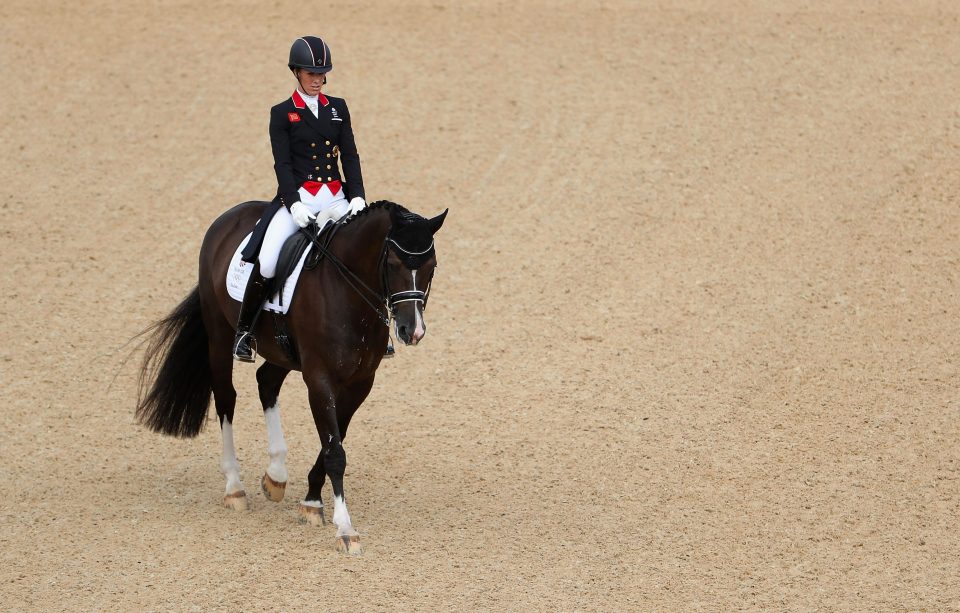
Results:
311 54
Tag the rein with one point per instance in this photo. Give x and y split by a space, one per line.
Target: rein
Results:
365 291
353 280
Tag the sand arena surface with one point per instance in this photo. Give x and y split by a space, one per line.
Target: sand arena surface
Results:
692 343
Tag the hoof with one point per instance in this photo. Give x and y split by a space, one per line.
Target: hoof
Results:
312 515
236 501
350 544
273 490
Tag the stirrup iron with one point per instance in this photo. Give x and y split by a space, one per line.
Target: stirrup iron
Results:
245 347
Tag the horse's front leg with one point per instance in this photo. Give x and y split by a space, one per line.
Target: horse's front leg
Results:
331 462
311 507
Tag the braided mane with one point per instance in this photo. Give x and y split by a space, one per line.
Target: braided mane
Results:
379 204
402 212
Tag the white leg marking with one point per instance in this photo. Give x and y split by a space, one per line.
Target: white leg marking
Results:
276 446
312 503
341 517
228 462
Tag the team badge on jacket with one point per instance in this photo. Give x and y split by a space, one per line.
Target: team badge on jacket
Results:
293 116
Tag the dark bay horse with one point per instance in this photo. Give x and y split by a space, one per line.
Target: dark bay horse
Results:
379 264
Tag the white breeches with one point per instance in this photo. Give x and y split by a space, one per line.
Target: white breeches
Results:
324 205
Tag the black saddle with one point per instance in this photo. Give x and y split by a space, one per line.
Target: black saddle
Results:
293 249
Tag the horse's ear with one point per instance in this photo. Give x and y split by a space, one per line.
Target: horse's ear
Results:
437 221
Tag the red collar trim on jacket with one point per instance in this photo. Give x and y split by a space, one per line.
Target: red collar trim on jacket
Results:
300 104
298 101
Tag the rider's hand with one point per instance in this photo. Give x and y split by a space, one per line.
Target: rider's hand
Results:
301 214
356 205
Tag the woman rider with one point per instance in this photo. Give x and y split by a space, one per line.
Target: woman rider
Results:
309 132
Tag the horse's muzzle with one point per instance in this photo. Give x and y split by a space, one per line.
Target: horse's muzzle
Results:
411 335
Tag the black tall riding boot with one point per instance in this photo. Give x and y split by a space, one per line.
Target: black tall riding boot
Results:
244 345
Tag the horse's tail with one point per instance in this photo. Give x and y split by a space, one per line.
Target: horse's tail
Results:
177 401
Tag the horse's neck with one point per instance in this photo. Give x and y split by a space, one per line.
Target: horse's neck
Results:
361 242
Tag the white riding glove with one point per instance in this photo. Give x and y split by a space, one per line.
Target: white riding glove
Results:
301 214
356 205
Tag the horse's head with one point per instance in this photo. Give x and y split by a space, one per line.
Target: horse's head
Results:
410 263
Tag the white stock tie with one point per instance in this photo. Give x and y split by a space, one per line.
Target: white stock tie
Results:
313 109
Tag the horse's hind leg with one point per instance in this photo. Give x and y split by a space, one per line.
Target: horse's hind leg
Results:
225 398
269 379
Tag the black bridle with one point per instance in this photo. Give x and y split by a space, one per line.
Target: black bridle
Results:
373 298
413 261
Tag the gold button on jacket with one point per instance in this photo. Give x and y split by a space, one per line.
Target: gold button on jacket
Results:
300 140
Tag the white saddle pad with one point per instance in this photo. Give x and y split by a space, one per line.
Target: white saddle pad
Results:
239 271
